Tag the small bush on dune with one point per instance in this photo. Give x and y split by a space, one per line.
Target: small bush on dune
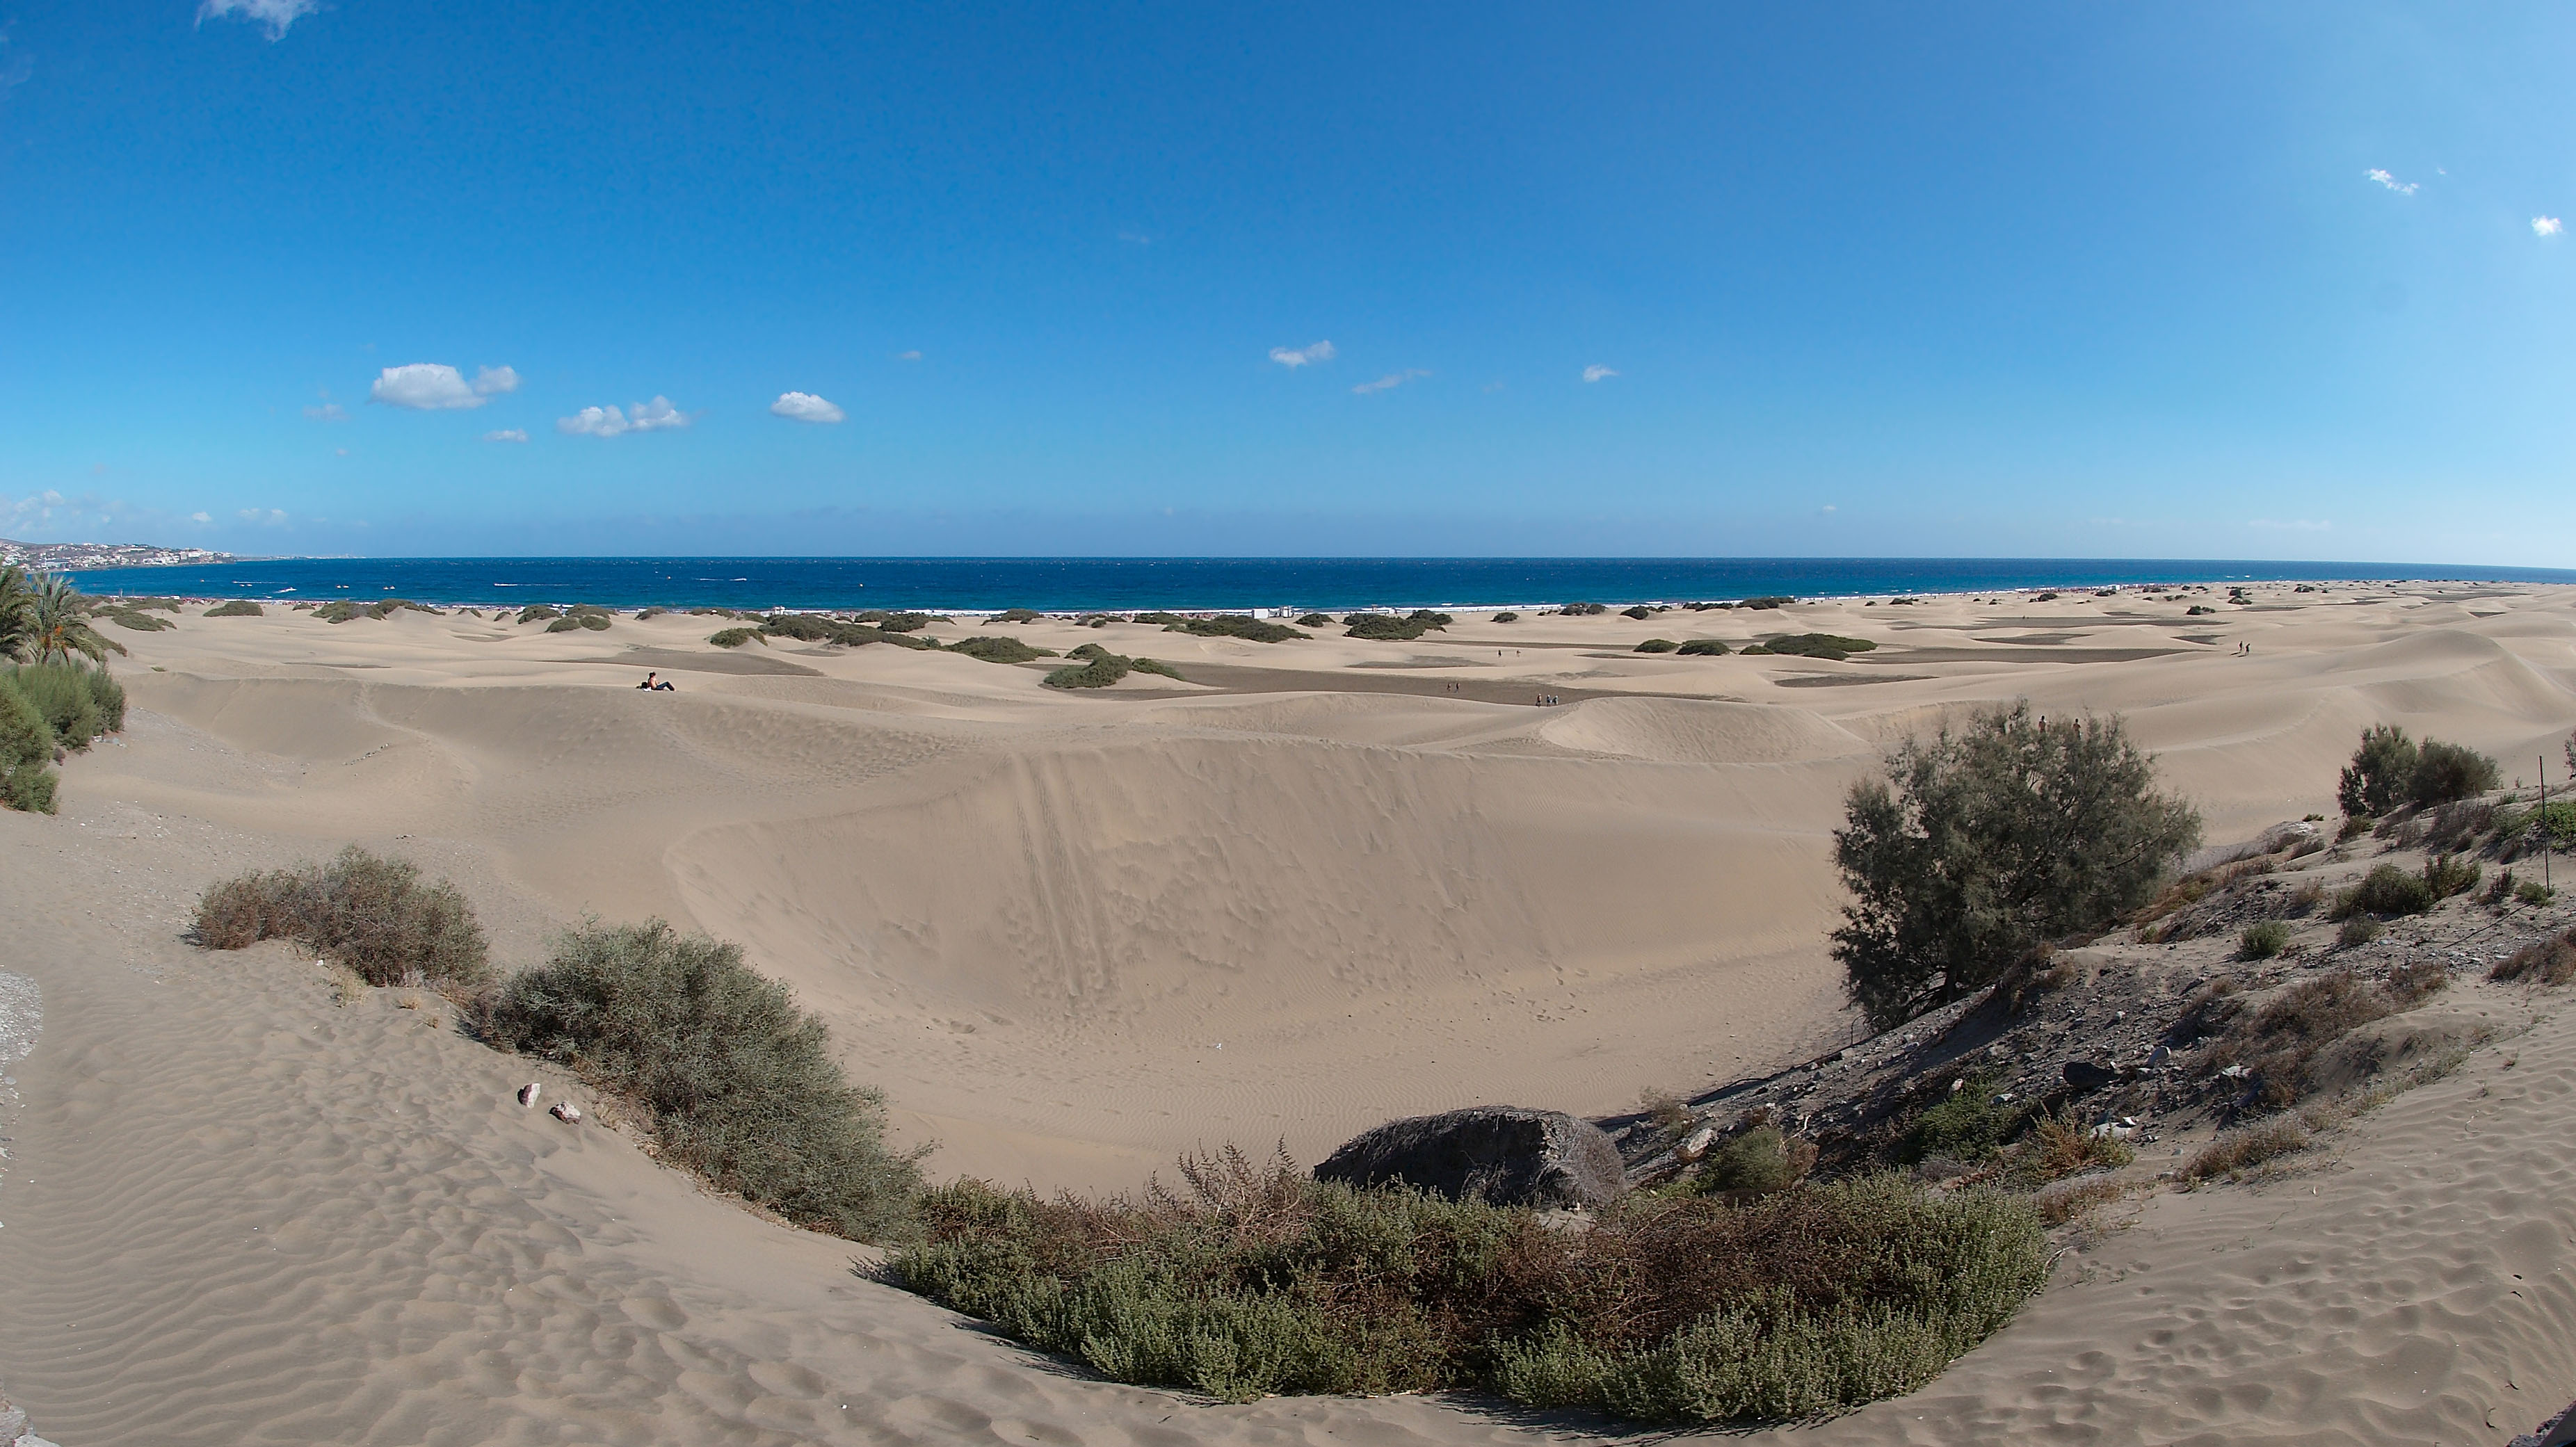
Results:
2239 1150
1699 647
1394 627
1657 645
1767 602
26 747
2390 769
1756 1163
1235 625
1316 620
2386 890
1154 665
1015 615
77 703
650 614
1103 669
138 621
1640 612
1971 1125
2276 1041
999 650
1260 1280
2545 962
1830 646
2446 875
2359 930
539 612
368 913
733 637
580 616
2062 1146
741 1084
237 608
1507 617
2263 940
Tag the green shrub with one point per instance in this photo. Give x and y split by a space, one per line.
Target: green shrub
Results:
77 703
732 637
1155 665
1392 627
1699 647
814 628
1755 1163
1657 645
2544 962
741 1084
1014 615
1575 610
1816 645
539 612
237 608
138 621
2447 772
895 622
650 613
26 747
1316 620
2262 941
999 650
2446 875
2386 890
28 788
1507 617
1970 1125
369 913
2275 1042
1103 670
2359 930
1235 625
1768 601
1811 1301
1640 612
1983 842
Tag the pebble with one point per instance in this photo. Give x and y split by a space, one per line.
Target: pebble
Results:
568 1113
528 1093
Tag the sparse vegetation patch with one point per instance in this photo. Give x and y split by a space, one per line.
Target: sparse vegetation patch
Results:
369 913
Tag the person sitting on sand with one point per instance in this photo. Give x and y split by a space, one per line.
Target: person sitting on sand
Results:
664 687
647 684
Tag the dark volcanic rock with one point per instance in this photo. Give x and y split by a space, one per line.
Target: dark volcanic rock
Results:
1508 1155
2083 1075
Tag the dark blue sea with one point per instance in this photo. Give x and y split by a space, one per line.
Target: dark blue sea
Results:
1129 584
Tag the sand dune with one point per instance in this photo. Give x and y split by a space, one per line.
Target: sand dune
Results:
1071 935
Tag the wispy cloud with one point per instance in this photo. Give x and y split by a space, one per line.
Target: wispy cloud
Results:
272 15
1596 372
2546 226
437 387
805 407
328 412
262 517
2293 525
15 65
1135 238
507 434
201 517
654 416
2402 188
907 356
1293 357
1390 381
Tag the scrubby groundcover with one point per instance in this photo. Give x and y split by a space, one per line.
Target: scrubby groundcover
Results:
1258 1280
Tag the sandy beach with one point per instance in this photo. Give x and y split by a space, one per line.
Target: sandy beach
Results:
1316 885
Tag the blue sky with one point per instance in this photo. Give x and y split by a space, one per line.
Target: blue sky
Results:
2045 279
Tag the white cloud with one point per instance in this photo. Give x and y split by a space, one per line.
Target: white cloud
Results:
327 412
653 416
2402 188
1293 357
273 15
2294 525
907 356
1390 381
493 381
426 387
198 517
805 407
1596 372
1135 238
269 517
507 434
2547 226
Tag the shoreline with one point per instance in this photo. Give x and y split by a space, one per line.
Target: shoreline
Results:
1275 612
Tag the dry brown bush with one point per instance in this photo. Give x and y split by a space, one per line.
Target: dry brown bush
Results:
2543 962
368 913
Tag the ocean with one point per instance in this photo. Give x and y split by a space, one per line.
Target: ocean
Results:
1121 585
